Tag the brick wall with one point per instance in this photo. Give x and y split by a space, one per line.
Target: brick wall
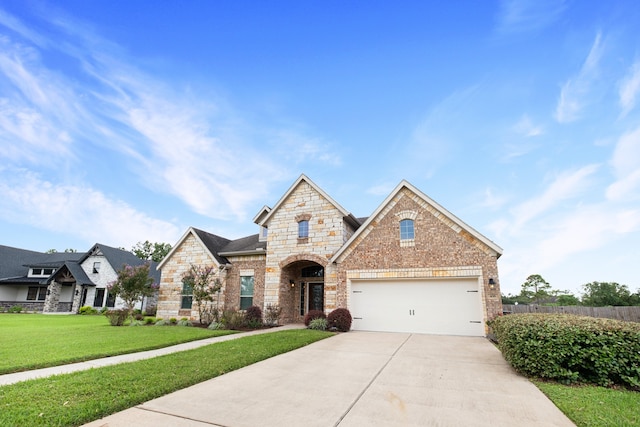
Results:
440 249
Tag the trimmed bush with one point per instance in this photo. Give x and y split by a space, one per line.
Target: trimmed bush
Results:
162 322
15 309
233 320
318 324
313 314
116 317
184 322
340 318
253 316
87 310
569 348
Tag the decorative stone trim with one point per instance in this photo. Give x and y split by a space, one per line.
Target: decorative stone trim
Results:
303 257
303 217
407 215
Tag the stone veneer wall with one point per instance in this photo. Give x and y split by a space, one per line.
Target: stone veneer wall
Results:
440 249
191 251
327 233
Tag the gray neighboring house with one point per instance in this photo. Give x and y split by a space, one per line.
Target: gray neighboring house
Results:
63 282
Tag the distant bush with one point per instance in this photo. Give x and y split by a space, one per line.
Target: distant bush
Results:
116 317
135 322
87 310
149 320
15 309
214 326
569 348
318 324
232 319
151 310
313 314
340 318
161 322
253 317
272 314
184 322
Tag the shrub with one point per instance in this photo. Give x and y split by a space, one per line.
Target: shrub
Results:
233 319
569 348
116 317
161 322
15 309
149 320
151 310
214 326
138 316
135 322
253 316
318 324
340 318
313 314
173 320
272 314
184 322
87 310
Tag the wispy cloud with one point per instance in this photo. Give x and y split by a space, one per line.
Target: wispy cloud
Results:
517 16
626 167
194 146
82 211
574 93
527 128
630 88
566 186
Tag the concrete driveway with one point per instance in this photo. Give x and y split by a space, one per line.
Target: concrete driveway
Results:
360 379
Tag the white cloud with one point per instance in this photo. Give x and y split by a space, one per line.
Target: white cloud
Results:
525 127
517 16
630 88
574 93
565 186
381 189
77 210
626 166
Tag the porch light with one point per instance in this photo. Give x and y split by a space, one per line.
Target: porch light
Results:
492 284
292 283
48 291
77 292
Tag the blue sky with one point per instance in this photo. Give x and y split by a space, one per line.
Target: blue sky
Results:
125 121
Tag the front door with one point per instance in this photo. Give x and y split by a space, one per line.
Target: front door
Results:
316 296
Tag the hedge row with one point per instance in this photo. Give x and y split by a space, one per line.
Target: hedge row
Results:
569 348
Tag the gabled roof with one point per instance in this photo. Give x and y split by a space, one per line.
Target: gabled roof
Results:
117 257
15 263
211 243
404 184
76 271
244 246
263 219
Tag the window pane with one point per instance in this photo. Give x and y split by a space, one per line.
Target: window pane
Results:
187 301
246 286
32 293
245 302
303 229
111 300
406 229
97 300
47 271
42 294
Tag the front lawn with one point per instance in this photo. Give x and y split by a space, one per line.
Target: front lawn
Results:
78 398
31 341
589 406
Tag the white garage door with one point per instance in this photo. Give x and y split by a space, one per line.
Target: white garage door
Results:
447 307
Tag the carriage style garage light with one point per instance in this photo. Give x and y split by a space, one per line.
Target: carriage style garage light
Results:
492 284
293 284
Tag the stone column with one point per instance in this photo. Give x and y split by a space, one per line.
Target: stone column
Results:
53 297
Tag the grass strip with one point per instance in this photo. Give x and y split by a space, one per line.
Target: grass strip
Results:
33 341
594 406
78 398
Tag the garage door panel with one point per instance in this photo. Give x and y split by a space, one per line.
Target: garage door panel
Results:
450 307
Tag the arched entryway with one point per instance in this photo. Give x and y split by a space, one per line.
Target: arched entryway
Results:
304 282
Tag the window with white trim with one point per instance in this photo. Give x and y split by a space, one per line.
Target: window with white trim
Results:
187 296
303 229
407 229
246 292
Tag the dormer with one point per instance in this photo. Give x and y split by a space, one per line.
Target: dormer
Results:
41 271
263 231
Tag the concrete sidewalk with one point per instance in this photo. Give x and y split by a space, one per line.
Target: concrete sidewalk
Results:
356 379
132 357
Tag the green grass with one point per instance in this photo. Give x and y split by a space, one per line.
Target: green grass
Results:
594 406
31 341
78 398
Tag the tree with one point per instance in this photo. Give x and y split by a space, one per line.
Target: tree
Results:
151 251
602 294
535 288
132 284
204 285
567 299
66 251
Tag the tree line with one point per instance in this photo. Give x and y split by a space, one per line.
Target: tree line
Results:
536 290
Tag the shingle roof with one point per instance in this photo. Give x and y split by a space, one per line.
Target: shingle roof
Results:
249 243
214 243
15 263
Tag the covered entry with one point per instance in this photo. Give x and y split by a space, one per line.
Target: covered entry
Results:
305 281
429 306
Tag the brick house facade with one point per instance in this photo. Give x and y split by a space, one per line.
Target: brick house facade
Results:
313 254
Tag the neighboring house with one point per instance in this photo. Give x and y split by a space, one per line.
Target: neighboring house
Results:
411 266
63 282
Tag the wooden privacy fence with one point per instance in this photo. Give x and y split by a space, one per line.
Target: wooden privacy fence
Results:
630 314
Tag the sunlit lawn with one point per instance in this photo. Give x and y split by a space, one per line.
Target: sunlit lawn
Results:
77 398
31 341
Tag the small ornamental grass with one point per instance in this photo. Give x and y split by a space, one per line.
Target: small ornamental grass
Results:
318 324
571 349
313 314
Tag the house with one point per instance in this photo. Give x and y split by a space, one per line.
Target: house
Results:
411 266
63 282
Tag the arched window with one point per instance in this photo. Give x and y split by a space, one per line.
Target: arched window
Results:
303 229
406 229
